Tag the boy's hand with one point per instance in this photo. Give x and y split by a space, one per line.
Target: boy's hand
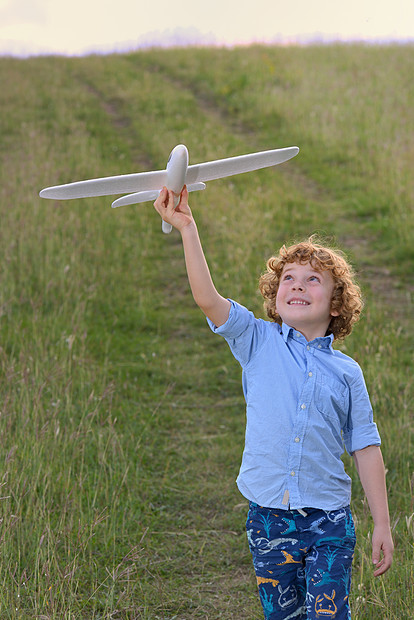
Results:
382 544
180 216
371 470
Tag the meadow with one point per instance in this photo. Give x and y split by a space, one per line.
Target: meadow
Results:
121 414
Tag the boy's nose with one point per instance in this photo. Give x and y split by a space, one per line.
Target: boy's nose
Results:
298 286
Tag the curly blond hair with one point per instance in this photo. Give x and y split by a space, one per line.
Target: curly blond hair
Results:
346 297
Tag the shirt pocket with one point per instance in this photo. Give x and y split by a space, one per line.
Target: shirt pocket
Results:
331 398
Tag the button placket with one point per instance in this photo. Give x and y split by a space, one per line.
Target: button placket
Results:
293 468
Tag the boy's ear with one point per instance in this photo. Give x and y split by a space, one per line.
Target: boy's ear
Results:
335 312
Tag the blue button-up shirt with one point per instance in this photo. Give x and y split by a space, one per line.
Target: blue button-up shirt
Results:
305 401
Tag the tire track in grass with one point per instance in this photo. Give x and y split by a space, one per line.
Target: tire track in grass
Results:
175 285
247 135
395 297
121 122
388 290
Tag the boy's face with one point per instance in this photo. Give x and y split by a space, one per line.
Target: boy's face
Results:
304 297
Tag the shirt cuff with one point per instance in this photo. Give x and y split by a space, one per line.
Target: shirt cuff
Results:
361 437
223 328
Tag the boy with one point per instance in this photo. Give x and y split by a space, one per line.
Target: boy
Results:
304 400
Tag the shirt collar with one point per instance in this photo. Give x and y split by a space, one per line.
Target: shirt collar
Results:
324 342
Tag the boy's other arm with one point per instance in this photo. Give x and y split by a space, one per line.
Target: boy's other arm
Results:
214 306
370 467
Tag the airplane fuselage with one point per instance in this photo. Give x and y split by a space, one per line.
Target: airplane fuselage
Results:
177 169
176 172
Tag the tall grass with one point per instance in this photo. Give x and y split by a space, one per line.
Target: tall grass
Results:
122 417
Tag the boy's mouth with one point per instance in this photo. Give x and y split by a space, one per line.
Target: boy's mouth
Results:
298 302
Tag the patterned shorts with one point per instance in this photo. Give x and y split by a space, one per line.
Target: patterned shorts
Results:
302 563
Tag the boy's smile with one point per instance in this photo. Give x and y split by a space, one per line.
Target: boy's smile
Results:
304 298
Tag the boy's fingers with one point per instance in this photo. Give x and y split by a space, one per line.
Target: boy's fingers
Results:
383 564
160 198
165 200
170 199
183 196
381 568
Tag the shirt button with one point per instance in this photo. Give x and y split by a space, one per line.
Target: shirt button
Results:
297 334
319 346
297 439
292 473
303 406
307 347
310 374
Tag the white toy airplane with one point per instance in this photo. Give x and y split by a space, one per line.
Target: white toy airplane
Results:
147 185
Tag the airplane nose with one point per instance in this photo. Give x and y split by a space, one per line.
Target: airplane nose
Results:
179 154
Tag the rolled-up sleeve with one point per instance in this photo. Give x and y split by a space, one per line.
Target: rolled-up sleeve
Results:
360 430
242 331
238 319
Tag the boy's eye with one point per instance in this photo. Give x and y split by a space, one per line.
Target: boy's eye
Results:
287 277
315 278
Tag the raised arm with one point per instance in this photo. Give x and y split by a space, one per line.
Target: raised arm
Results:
206 296
370 467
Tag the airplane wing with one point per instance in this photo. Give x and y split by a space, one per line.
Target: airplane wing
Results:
121 184
155 180
221 168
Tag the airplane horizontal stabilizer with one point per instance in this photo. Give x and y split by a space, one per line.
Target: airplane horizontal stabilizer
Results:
138 197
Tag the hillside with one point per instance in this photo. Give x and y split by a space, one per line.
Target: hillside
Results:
122 416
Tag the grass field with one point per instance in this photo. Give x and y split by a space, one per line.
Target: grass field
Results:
122 416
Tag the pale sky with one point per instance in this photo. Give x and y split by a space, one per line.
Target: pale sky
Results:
81 26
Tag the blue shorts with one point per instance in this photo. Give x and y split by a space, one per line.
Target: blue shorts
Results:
302 563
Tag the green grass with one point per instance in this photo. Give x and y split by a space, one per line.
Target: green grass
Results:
122 416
